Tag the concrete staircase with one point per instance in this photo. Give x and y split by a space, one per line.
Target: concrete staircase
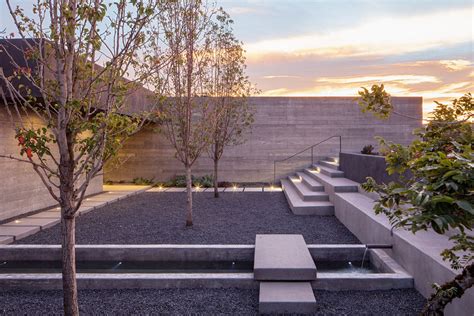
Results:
308 192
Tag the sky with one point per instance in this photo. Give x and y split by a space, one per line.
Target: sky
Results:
334 47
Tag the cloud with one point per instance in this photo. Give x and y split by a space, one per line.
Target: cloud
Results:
405 79
281 77
456 64
384 36
242 10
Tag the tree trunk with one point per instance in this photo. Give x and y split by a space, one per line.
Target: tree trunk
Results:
216 191
68 225
449 291
189 192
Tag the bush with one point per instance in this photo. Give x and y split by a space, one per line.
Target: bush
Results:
368 150
142 181
206 181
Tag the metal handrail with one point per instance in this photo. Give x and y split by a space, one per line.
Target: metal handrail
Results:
302 151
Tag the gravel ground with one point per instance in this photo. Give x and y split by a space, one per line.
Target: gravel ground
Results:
205 302
234 218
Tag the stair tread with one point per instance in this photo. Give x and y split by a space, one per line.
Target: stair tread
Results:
333 181
329 170
330 164
296 200
304 189
309 180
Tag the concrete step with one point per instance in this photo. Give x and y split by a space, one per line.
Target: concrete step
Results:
332 159
333 184
311 183
329 171
286 298
330 164
283 258
300 207
305 192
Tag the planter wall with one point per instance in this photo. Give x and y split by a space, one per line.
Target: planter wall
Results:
359 166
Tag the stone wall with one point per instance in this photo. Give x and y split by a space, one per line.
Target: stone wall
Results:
21 190
283 126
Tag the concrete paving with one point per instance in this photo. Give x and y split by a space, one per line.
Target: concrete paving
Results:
232 189
286 298
18 232
283 257
272 189
43 223
253 190
6 240
46 214
26 226
176 190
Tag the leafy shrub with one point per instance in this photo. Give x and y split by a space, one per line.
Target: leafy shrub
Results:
142 181
179 181
206 181
368 150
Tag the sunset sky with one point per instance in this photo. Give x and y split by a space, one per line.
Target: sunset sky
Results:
333 47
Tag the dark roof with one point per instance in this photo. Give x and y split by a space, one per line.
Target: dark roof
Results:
12 56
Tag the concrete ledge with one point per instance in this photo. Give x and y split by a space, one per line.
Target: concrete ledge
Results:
42 223
18 232
418 253
132 252
6 240
361 282
130 281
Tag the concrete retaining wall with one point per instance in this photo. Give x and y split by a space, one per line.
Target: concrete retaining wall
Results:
358 167
419 254
283 126
21 189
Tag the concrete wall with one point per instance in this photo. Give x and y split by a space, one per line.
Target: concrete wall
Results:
418 253
283 126
358 167
21 190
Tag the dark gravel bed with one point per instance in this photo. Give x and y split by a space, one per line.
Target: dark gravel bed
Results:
234 218
204 302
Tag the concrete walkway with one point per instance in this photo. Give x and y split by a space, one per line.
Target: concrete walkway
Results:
26 226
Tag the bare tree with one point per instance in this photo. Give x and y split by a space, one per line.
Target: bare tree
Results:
54 75
185 27
229 88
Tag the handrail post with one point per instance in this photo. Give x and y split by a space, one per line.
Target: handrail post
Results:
312 158
340 144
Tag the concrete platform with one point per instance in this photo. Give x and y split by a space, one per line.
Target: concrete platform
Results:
283 258
47 214
176 190
253 190
18 232
272 189
43 223
6 240
231 189
286 298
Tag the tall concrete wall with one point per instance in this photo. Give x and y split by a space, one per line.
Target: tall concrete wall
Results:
283 126
21 190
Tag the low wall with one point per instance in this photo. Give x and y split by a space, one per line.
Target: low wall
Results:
21 189
418 253
358 167
282 127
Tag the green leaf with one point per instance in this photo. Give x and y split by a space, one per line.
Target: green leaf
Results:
465 205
